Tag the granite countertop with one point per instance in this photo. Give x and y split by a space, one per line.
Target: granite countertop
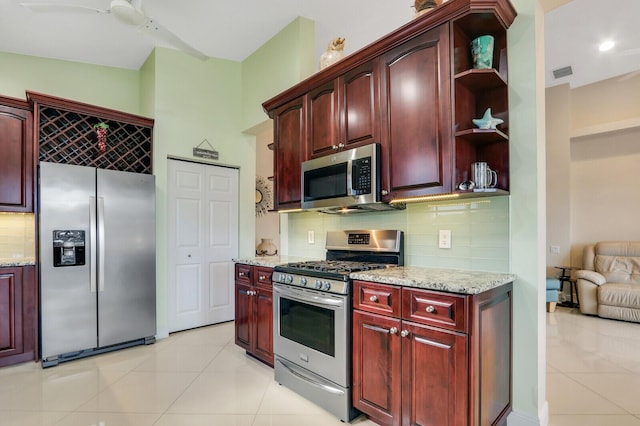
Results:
450 280
21 261
271 261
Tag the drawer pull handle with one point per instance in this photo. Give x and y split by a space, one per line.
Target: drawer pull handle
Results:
393 330
404 333
430 309
373 298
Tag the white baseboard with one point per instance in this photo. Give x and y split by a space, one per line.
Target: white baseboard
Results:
518 418
162 333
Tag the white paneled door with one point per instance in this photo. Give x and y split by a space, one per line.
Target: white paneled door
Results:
203 240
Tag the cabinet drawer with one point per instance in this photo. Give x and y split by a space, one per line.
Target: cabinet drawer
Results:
243 273
377 298
263 275
435 308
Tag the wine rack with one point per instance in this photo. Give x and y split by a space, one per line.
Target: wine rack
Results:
66 135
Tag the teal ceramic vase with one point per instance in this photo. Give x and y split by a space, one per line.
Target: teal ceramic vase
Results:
482 52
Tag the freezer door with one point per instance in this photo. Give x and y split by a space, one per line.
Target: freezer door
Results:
127 256
68 301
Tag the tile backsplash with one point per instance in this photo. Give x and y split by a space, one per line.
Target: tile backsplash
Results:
17 237
479 232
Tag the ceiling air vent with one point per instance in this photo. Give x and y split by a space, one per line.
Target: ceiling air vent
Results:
562 72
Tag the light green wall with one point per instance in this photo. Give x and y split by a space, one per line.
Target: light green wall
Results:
109 87
479 232
148 86
280 63
527 185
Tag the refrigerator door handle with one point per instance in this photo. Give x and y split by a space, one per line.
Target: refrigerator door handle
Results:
101 244
92 236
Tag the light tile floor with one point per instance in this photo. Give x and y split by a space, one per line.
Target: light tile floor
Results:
193 378
593 370
201 378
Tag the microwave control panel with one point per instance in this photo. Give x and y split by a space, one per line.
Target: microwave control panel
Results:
361 176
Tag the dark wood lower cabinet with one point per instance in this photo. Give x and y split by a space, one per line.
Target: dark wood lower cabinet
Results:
434 359
18 315
254 311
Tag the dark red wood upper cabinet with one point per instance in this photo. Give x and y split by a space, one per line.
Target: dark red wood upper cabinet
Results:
345 113
290 137
17 159
417 129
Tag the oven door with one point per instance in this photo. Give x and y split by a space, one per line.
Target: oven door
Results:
311 329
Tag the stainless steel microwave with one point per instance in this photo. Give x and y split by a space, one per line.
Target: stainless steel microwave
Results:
349 178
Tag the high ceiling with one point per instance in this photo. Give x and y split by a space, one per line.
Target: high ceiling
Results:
233 29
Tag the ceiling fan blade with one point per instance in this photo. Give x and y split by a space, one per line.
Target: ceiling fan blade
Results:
50 7
154 29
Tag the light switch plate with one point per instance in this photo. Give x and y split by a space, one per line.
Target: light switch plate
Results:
444 239
311 237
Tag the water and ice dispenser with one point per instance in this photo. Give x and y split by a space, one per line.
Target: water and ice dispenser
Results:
68 248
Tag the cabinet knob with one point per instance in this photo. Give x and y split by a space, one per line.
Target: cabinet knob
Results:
241 274
373 298
404 333
334 147
430 309
188 255
393 330
262 277
340 145
384 192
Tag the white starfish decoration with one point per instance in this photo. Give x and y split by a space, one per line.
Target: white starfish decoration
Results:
487 121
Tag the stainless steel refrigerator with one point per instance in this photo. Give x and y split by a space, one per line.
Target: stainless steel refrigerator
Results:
97 261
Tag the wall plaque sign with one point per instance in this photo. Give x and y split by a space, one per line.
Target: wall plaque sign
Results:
210 154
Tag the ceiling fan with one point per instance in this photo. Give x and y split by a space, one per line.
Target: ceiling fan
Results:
128 11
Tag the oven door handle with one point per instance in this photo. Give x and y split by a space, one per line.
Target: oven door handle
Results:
310 380
309 298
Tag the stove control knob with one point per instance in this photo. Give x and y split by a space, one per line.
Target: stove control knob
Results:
288 279
317 284
303 281
326 286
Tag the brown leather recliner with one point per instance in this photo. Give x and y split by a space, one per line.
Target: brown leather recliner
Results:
609 283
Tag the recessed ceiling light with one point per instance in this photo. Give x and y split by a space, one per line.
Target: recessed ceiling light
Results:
606 45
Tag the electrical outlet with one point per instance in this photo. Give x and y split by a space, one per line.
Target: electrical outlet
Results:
311 237
555 249
444 239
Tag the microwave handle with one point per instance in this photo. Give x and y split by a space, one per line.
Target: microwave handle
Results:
350 190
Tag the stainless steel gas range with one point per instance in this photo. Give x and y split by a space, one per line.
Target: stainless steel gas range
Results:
312 315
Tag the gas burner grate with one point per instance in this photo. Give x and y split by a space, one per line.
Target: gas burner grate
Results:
335 266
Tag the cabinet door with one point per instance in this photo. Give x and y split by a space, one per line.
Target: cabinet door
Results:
323 119
360 105
16 161
377 367
18 315
264 324
434 376
290 134
243 315
417 132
